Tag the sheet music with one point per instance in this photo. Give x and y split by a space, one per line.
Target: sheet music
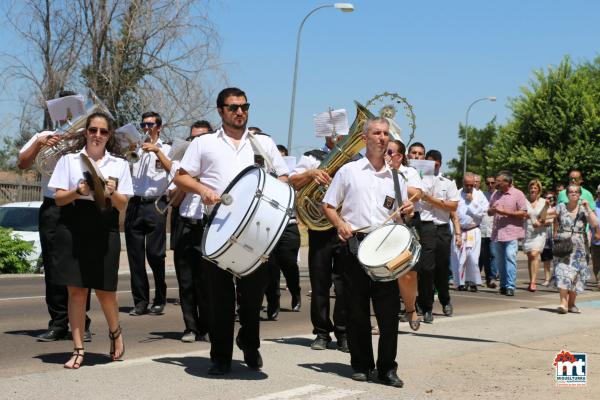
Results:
66 108
326 122
426 170
130 132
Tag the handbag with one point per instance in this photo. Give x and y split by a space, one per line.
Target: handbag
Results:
563 246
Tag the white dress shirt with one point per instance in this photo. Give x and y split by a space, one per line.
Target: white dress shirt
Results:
304 164
488 220
69 171
46 191
367 194
441 188
216 161
191 206
148 174
412 177
470 214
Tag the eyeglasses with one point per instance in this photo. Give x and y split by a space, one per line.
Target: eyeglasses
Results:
93 130
234 107
577 193
574 178
147 125
550 197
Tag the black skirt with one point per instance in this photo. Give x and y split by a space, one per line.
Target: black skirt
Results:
87 246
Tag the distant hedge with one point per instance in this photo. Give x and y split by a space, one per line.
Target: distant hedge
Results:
14 253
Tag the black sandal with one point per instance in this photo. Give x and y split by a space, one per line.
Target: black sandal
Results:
77 352
113 336
414 325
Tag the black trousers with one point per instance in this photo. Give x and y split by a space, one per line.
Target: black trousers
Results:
57 296
145 237
437 277
486 258
324 269
359 291
222 293
284 258
191 277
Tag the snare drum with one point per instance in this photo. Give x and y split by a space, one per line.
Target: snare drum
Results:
240 236
389 252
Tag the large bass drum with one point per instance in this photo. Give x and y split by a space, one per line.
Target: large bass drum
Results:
240 236
389 252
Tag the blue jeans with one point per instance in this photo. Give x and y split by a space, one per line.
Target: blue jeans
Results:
505 259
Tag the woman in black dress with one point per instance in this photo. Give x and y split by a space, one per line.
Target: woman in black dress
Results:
87 235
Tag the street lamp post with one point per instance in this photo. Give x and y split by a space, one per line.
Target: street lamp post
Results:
345 7
490 98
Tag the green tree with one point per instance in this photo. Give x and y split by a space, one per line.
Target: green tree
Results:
555 127
13 253
478 149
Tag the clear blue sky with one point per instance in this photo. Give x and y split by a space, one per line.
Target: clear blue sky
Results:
440 55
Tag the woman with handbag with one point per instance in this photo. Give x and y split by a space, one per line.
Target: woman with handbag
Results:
571 248
535 230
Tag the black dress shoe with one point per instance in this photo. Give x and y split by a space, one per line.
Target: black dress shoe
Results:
87 336
428 317
218 369
502 290
510 292
342 344
139 310
461 288
390 378
490 284
320 343
361 376
51 335
252 357
296 303
272 314
448 310
157 309
473 288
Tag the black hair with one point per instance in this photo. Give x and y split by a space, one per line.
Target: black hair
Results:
282 149
416 144
225 93
65 93
150 114
111 145
401 150
434 154
201 124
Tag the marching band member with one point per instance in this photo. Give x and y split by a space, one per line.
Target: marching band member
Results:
436 204
472 206
366 189
87 239
323 267
57 296
145 227
186 242
216 160
408 282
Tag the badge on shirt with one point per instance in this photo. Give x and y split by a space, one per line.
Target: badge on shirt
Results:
388 202
158 166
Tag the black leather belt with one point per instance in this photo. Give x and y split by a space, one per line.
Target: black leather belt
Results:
361 235
192 221
151 199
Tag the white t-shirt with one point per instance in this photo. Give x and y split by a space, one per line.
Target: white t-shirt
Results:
367 194
47 192
215 160
148 174
69 171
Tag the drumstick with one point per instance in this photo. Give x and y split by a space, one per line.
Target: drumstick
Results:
361 229
392 215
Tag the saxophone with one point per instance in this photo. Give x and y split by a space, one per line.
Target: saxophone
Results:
310 197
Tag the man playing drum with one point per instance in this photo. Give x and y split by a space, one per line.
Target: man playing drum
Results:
366 189
215 160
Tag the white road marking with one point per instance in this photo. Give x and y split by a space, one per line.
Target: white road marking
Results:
43 297
316 392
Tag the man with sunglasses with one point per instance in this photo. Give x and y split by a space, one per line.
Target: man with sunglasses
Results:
145 227
576 178
486 257
57 296
209 165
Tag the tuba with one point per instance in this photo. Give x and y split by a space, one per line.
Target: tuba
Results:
71 138
310 197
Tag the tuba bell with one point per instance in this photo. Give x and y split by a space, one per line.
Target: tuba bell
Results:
71 137
310 197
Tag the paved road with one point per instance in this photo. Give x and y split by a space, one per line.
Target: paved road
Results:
494 347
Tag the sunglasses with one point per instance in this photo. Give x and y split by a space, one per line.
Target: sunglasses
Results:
93 130
392 153
490 183
235 107
147 125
